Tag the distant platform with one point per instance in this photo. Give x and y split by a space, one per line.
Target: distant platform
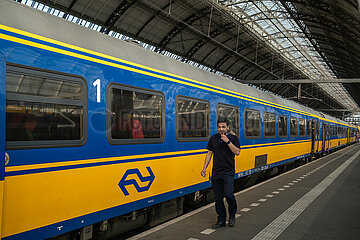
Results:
319 200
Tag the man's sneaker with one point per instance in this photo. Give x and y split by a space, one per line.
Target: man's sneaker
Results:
219 225
231 222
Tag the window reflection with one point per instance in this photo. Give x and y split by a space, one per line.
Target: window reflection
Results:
252 123
29 121
232 115
269 124
193 118
42 86
293 126
283 128
301 127
42 106
135 115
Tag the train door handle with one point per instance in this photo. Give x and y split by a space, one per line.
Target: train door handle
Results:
7 158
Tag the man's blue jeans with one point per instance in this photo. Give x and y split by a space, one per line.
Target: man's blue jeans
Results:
224 187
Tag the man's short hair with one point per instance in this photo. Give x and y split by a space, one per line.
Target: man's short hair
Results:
223 120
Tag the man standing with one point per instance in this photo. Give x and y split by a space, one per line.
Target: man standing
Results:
224 146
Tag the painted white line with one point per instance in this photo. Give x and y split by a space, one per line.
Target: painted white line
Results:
237 215
299 179
269 196
275 228
193 239
295 181
286 186
275 192
182 217
302 177
245 209
175 220
291 184
254 204
281 189
262 200
208 231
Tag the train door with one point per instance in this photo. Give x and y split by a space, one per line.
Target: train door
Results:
312 137
323 147
327 137
317 136
2 135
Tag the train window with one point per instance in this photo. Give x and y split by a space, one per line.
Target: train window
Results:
192 119
283 126
252 123
327 127
301 127
317 129
135 115
269 124
341 131
330 130
293 126
308 128
231 113
44 109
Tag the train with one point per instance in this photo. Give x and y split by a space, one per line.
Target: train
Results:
101 135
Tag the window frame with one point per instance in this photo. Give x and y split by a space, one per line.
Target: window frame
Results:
229 106
272 136
112 141
208 128
287 126
252 137
296 120
54 75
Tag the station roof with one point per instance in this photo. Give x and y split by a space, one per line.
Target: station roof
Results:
245 40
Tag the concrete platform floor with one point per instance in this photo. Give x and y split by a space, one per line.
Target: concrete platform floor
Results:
319 200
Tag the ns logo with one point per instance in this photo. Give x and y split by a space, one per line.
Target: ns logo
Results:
131 181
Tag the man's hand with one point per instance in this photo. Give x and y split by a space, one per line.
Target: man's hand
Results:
224 138
203 173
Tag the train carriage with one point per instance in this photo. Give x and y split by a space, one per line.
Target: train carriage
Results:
94 128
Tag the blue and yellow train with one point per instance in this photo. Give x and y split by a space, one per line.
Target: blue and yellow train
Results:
99 134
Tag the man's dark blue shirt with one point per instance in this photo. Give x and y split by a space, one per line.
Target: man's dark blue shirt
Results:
223 158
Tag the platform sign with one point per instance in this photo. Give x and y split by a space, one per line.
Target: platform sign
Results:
2 134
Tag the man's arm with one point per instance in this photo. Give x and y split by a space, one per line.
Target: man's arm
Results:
206 163
232 147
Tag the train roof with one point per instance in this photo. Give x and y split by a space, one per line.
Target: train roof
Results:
31 20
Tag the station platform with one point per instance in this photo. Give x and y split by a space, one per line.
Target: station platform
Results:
319 200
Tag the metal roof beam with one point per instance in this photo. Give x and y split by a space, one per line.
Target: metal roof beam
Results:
115 16
154 9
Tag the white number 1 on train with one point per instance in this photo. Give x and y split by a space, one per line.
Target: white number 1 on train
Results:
97 85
